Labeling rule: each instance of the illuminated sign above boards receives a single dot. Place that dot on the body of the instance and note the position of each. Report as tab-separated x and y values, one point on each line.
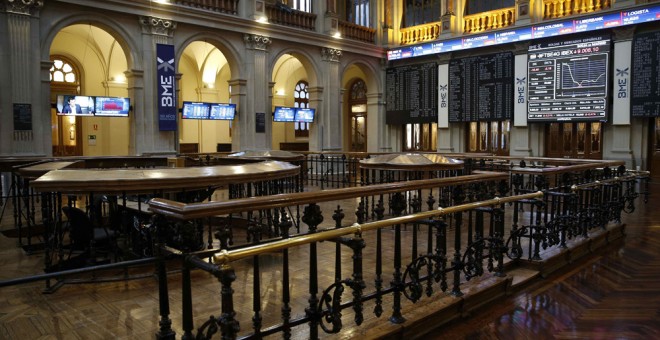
607	20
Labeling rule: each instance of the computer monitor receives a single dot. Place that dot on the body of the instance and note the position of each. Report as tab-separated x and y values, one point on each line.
74	105
112	106
195	110
222	111
284	114
305	115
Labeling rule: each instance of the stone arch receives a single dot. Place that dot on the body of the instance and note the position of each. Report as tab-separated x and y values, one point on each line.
119	33
308	62
224	46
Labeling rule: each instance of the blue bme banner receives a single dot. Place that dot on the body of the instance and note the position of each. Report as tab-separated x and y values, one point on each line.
165	82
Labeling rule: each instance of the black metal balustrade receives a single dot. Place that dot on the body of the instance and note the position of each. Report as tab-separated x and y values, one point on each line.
487	233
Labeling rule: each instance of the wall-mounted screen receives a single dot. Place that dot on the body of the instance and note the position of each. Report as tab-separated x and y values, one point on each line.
645	87
568	80
284	114
72	105
223	111
112	106
412	94
481	88
194	110
305	115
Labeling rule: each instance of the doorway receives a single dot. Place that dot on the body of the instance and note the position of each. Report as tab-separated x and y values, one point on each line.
574	140
489	137
421	137
358	116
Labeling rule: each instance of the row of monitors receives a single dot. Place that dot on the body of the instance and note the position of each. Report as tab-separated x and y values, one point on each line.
293	114
213	111
72	105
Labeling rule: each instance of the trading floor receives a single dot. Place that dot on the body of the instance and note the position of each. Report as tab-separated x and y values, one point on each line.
615	293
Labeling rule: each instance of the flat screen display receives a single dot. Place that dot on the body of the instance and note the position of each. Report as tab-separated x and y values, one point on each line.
284	114
568	80
194	110
223	111
112	106
73	105
305	115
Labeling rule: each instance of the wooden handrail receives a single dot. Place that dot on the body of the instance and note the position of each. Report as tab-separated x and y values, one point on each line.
224	256
190	211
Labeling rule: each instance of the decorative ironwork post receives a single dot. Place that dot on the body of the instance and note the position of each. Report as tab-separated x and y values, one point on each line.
398	205
165	332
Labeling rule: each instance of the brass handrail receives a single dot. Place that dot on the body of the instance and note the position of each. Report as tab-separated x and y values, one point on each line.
226	256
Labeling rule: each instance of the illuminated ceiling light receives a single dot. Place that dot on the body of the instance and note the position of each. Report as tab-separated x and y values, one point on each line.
262	19
166	2
280	92
337	35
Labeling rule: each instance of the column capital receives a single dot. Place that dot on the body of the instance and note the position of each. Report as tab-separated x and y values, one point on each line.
330	54
256	42
157	26
27	7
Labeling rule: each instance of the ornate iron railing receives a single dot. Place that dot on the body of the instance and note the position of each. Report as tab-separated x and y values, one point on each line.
570	204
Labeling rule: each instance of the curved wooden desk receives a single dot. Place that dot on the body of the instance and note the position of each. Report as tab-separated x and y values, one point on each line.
162	179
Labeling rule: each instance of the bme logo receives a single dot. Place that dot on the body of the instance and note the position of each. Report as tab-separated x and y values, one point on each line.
622	82
443	95
520	84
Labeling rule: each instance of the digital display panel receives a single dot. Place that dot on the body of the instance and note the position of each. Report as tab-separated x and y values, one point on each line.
555	28
567	80
222	111
73	105
305	115
112	106
645	79
194	110
284	114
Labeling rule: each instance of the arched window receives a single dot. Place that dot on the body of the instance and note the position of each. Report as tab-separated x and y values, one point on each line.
301	100
63	71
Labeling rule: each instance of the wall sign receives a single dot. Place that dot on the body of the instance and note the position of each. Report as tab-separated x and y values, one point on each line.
22	117
165	81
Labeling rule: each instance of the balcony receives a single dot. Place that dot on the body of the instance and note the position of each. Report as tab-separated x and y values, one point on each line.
421	33
352	31
222	6
489	20
286	16
562	8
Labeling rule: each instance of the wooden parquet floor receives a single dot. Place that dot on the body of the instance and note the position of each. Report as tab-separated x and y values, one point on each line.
614	294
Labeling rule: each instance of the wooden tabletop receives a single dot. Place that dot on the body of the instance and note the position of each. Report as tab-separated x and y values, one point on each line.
168	179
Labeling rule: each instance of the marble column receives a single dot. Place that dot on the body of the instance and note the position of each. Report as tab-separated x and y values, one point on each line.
21	80
255	112
326	133
145	136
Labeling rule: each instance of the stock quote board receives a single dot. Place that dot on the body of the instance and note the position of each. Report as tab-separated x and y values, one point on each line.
481	88
412	94
645	75
568	80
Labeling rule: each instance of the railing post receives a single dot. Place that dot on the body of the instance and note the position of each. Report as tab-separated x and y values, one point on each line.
312	217
228	324
457	265
186	301
165	332
398	206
